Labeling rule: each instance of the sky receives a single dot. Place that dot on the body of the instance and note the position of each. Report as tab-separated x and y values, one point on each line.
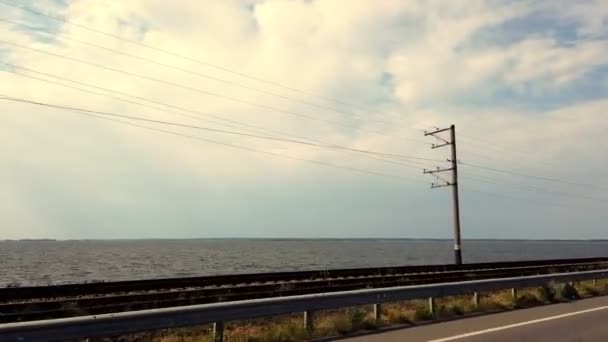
524	83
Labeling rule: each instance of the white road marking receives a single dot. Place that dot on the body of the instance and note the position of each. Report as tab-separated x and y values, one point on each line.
510	326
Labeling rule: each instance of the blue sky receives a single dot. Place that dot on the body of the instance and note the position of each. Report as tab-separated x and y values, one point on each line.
523	81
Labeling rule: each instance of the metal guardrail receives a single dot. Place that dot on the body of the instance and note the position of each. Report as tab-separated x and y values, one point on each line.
50	308
155	319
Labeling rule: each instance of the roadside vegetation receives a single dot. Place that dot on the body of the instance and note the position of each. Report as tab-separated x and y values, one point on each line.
356	320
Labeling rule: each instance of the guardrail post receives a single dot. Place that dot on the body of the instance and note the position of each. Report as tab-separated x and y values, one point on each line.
431	305
378	313
514	293
218	332
476	300
594	282
308	320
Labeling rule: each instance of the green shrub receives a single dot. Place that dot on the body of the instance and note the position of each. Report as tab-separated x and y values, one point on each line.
370	324
397	317
450	310
343	325
526	300
422	314
547	293
357	317
589	290
569	292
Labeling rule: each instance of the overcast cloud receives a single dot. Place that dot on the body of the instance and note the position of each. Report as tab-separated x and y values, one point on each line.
531	76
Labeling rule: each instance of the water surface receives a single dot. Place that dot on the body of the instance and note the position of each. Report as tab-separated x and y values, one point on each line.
53	262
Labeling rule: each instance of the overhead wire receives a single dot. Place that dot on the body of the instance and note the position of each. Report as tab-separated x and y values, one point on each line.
519	174
488	145
184	70
184	57
10	98
250	149
465	148
198	90
98	113
84	27
516	198
255	78
517	164
252	128
530	188
305	102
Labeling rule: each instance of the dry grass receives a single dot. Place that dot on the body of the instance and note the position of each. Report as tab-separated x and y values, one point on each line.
350	320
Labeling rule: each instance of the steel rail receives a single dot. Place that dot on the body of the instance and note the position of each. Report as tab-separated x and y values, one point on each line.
67	290
127	302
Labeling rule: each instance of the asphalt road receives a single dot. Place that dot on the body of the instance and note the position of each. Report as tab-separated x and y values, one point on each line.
578	321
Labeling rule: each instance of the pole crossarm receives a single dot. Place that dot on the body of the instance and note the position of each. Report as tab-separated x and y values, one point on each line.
437	131
435	185
438	170
434	146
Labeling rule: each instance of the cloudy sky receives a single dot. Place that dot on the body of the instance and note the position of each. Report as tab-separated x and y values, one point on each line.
525	83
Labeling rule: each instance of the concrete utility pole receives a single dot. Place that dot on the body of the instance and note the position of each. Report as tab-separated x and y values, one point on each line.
453	183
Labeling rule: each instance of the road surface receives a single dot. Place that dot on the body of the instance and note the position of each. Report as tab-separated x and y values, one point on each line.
580	321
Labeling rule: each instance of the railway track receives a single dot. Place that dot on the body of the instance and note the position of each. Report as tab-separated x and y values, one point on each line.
149	285
82	299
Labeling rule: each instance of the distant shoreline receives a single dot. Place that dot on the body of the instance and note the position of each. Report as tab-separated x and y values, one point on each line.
32	240
305	239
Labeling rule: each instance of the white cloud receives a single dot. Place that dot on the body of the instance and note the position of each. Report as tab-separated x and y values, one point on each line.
428	48
590	17
543	61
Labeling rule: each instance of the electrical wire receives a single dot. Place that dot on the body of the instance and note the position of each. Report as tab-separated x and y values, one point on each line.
282	86
501	149
9	98
515	198
84	27
255	128
174	54
548	179
198	90
530	188
191	72
322	163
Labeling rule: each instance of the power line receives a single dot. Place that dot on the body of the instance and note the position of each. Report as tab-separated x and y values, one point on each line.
149	60
555	180
486	142
24	8
348	168
531	188
5	97
164	81
182	86
518	163
498	148
516	198
255	128
501	149
192	72
252	128
198	112
171	53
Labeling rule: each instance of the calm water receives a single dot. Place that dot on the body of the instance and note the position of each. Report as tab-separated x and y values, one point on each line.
46	262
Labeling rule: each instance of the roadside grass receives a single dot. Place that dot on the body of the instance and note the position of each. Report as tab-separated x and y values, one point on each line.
347	321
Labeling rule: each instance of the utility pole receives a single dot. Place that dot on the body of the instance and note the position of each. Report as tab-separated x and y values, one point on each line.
453	183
